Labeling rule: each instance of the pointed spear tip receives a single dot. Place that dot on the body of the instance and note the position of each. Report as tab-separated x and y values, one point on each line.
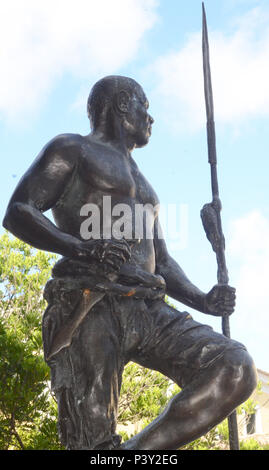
204	15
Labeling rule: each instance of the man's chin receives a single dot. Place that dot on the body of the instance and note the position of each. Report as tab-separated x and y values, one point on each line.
142	141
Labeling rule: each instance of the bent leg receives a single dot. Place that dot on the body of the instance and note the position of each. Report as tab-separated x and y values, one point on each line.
205	402
216	375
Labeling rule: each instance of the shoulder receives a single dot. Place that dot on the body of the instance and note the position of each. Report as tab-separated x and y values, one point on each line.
66	151
62	148
63	142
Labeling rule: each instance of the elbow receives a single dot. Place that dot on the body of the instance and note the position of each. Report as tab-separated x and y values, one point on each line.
12	215
6	220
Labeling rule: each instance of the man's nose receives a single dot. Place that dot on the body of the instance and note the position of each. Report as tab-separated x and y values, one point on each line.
151	120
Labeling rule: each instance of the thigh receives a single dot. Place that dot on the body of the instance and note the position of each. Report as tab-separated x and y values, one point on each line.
94	355
86	376
178	346
95	352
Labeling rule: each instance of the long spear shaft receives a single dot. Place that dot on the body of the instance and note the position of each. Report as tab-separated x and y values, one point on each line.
211	212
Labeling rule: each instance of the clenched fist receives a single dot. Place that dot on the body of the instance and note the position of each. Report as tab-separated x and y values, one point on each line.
220	301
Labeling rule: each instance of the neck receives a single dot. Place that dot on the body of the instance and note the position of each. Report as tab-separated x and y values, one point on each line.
116	134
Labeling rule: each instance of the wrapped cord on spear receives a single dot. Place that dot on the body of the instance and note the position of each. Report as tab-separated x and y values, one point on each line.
210	213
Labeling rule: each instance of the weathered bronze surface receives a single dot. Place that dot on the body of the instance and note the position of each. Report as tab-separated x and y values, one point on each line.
106	296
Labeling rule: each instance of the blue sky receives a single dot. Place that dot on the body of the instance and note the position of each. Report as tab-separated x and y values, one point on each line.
53	52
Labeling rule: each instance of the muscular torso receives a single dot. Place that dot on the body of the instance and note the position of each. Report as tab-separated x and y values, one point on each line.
73	171
104	176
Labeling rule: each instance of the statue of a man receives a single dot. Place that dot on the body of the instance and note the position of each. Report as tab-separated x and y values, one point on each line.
215	373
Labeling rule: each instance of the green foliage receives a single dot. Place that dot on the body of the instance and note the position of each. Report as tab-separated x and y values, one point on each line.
249	407
144	394
27	409
209	441
250	444
223	431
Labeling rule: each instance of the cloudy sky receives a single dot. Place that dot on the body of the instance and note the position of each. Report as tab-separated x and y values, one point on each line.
53	52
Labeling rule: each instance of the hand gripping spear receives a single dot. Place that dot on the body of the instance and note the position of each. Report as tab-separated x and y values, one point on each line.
210	213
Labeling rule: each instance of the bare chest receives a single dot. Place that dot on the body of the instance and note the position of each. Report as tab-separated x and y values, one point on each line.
109	173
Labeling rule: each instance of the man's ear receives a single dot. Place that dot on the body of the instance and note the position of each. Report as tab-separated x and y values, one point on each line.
122	101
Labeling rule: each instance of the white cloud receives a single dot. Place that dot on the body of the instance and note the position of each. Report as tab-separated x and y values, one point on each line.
240	74
40	41
249	251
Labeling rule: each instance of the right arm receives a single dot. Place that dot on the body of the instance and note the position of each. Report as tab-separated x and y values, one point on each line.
38	191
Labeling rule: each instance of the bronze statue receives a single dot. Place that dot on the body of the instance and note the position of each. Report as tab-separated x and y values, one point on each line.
106	296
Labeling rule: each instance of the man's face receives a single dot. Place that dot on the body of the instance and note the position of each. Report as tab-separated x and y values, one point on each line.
139	119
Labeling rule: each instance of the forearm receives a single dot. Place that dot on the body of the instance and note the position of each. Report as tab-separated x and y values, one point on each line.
179	287
29	224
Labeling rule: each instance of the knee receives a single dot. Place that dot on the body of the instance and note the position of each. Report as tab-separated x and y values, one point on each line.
240	375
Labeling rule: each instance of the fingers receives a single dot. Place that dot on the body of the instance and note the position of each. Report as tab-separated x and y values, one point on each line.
226	311
113	254
117	248
160	282
120	244
224	307
119	253
116	251
222	300
225	294
223	290
115	257
112	264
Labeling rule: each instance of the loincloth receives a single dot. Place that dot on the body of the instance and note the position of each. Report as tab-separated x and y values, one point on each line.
76	286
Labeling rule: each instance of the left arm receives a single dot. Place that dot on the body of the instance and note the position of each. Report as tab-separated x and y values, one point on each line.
218	301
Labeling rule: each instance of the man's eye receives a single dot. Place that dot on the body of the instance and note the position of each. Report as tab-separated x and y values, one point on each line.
145	104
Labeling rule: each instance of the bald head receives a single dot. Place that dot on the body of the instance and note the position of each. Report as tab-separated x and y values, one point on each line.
103	94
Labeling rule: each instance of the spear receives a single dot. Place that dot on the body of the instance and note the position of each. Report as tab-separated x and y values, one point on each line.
210	213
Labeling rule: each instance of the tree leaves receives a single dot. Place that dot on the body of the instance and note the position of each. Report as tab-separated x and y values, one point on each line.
25	399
